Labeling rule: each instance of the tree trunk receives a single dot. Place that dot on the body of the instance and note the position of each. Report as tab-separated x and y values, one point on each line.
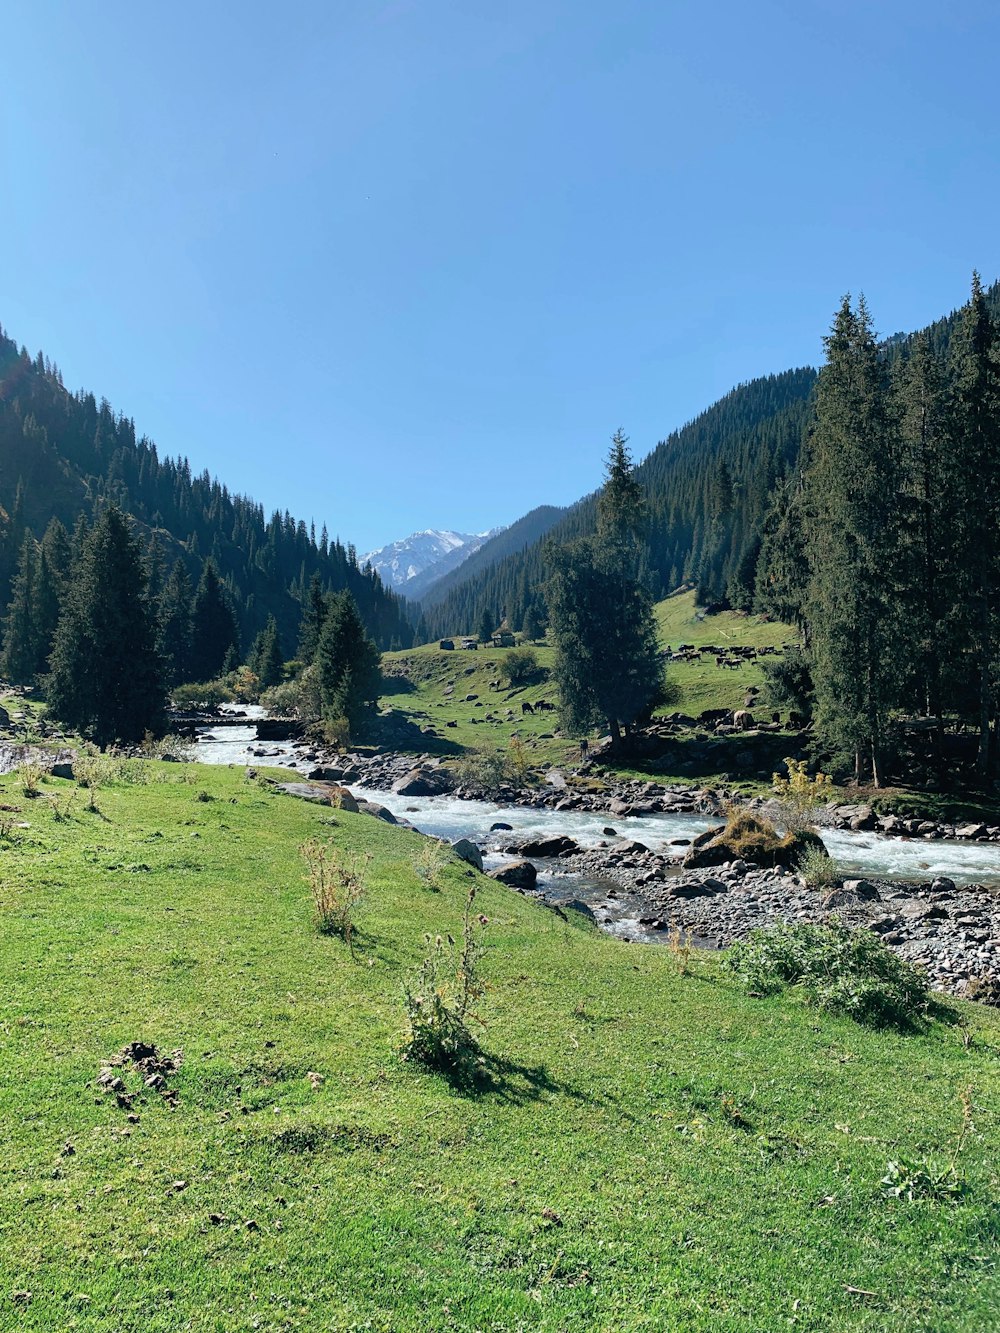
616	732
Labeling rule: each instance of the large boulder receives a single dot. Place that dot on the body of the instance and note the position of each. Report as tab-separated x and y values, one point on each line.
422	782
4	719
557	846
851	893
343	799
516	875
376	811
466	850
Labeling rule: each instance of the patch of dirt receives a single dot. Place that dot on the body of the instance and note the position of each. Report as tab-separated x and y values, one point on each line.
137	1068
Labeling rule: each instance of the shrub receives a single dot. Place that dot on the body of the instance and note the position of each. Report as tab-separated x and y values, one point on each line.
429	863
438	1001
337	884
799	794
486	770
753	837
31	774
519	666
203	694
847	971
818	868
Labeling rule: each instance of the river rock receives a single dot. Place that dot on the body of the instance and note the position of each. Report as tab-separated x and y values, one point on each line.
422	782
577	905
850	894
517	875
630	847
4	719
695	888
377	811
501	827
943	885
326	774
557	846
343	799
970	830
466	850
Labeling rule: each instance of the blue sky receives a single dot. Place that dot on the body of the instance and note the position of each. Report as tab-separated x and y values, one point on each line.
408	264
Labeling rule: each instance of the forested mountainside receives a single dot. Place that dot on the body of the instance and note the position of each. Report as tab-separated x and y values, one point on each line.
512	541
707	486
710	488
65	454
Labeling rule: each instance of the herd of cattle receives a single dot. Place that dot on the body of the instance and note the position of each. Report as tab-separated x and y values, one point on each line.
732	656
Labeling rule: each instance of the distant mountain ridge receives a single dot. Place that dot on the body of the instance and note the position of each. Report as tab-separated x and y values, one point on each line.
412	564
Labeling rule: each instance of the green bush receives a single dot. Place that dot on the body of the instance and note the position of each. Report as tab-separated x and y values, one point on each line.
298	697
519	666
486	770
847	971
818	868
203	694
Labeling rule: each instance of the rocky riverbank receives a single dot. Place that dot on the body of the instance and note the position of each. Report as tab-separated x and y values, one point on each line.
954	933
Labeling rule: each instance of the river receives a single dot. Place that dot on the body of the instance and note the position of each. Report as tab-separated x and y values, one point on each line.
444	816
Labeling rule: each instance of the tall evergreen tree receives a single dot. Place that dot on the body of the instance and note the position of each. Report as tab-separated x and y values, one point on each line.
175	626
214	632
607	663
106	680
19	662
928	527
974	425
265	658
530	628
486	626
348	664
313	616
853	484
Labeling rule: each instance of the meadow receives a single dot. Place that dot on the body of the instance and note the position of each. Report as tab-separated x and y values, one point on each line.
647	1147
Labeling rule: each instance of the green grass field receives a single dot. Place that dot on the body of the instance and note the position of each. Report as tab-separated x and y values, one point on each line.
703	684
654	1151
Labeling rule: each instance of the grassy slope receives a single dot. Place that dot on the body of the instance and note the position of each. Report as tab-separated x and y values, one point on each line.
702	685
421	700
387	1200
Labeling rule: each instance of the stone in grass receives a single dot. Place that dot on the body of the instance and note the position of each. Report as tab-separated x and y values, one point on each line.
466	850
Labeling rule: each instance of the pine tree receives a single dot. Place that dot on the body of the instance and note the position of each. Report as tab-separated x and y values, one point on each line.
928	513
486	626
265	658
19	662
214	634
600	617
974	425
348	665
175	626
530	628
313	616
106	679
48	598
853	540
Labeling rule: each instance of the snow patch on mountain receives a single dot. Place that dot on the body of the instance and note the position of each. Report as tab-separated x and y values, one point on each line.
423	556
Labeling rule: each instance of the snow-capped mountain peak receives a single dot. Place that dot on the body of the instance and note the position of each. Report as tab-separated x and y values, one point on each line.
433	549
